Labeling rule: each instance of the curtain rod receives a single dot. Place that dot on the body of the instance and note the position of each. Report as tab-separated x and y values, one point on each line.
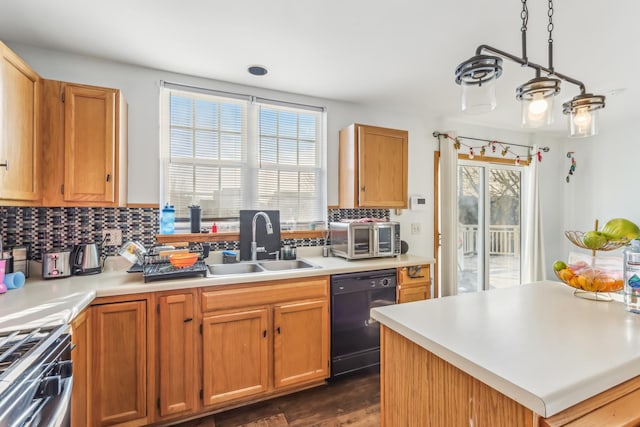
437	134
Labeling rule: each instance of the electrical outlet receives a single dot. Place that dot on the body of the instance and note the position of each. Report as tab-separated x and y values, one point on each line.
416	228
112	237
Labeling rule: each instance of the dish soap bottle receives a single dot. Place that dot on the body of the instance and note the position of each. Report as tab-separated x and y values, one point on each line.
168	220
632	277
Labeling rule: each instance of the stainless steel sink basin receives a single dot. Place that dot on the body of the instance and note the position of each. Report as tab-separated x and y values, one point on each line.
293	264
240	268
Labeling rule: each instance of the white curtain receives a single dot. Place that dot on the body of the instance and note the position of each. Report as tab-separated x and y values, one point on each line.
448	217
533	268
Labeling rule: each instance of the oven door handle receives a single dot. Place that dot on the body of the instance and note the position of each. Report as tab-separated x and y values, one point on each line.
62	404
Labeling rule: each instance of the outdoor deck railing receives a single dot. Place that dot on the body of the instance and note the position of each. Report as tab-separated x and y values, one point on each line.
503	239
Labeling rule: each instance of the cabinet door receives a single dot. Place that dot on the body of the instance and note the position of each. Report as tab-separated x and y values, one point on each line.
235	355
301	342
80	357
89	144
19	146
383	167
176	345
119	391
408	293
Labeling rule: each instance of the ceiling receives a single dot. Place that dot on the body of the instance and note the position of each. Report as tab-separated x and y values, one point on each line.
399	55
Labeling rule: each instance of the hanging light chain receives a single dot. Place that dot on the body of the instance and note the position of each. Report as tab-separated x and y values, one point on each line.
550	25
550	29
525	20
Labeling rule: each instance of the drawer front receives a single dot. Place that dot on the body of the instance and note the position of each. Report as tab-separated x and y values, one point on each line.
421	276
265	293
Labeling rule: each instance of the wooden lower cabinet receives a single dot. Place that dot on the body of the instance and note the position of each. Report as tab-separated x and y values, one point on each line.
119	364
158	358
414	283
80	358
300	342
176	340
263	340
235	359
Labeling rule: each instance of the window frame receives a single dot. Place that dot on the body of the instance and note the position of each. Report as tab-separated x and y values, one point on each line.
250	162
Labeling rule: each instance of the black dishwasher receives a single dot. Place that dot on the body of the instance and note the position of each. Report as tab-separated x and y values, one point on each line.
355	336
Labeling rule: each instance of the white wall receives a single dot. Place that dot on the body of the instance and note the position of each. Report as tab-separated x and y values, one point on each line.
607	171
140	86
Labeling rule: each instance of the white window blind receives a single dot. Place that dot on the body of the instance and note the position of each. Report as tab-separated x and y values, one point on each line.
227	153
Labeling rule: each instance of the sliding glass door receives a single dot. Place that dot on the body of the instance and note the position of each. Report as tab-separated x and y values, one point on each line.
489	226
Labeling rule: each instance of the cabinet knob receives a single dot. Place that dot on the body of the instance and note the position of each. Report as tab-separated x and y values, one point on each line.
5	164
108	177
363	188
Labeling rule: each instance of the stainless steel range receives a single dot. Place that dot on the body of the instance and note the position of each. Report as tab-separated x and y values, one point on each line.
35	377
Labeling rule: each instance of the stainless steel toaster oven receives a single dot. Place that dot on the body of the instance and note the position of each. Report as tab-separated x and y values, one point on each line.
357	240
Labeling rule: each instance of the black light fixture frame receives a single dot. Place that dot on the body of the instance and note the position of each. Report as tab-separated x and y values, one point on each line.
585	100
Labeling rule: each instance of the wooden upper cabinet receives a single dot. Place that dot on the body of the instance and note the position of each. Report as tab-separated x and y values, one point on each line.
86	139
301	342
19	136
373	167
176	347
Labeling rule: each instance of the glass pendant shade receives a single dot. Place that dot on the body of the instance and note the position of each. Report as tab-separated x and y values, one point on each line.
536	98
583	123
537	111
477	99
583	114
477	76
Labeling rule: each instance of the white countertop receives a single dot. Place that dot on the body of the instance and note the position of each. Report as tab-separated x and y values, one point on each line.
537	343
43	302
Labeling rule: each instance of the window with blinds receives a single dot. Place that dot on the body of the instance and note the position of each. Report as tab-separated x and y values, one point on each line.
226	153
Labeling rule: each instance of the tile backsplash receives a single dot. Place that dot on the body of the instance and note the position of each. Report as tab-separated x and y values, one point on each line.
45	229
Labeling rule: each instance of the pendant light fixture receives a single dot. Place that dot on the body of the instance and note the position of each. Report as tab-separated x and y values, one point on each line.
477	77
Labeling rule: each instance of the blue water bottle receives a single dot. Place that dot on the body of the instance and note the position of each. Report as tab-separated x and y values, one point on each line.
168	220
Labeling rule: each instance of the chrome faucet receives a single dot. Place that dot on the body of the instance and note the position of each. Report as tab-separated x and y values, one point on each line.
254	248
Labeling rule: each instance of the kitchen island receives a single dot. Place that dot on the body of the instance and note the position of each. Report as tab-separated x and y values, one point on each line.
533	355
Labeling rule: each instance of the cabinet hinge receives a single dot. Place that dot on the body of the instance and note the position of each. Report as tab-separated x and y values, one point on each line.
201	394
62	97
158	403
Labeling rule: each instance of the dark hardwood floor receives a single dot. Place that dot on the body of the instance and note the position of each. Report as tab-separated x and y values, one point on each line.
350	401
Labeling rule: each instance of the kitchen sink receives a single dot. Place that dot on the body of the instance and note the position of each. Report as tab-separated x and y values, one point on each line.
293	264
258	267
239	268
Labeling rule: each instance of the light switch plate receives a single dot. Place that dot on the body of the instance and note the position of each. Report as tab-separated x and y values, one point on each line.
416	228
